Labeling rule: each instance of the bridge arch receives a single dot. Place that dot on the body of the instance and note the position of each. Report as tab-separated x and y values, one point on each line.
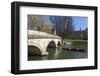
59	43
36	46
51	44
33	50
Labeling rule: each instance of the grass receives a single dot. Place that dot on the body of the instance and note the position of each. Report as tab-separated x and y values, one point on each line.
76	40
78	43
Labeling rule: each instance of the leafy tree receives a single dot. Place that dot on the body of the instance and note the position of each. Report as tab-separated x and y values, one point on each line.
35	22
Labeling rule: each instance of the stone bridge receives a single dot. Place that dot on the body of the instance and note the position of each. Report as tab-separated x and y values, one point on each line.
41	41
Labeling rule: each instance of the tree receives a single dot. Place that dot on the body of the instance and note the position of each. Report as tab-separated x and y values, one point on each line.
35	22
63	25
86	34
69	28
46	29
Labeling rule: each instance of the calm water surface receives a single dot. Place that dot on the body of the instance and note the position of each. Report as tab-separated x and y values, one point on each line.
58	53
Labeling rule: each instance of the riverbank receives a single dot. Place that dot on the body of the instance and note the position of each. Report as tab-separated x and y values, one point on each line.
81	44
76	41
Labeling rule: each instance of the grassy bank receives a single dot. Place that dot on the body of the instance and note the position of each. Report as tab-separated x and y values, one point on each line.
76	41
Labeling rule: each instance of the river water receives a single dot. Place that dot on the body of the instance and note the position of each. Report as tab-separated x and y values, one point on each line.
59	53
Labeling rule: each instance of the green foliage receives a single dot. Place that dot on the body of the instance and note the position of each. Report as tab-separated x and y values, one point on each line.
35	21
46	28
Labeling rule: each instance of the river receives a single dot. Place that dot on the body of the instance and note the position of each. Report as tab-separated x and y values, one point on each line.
58	53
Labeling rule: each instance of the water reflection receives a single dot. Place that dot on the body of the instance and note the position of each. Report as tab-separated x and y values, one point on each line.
59	53
54	52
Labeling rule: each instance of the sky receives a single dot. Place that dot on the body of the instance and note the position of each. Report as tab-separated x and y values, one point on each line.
80	22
